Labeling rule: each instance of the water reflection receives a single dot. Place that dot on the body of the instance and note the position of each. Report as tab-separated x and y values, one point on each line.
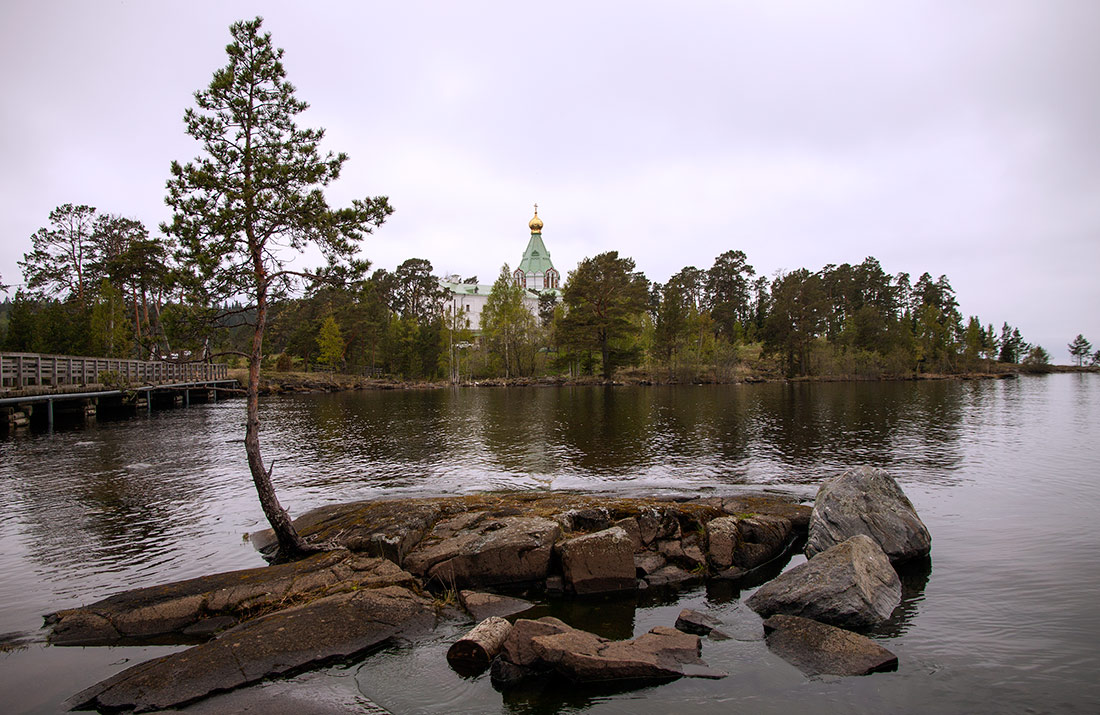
599	437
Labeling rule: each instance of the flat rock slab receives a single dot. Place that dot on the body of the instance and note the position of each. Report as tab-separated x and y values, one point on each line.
330	630
850	585
186	611
549	644
867	501
819	649
660	654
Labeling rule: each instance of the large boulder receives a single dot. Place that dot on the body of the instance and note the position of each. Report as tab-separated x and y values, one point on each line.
476	550
599	562
866	500
850	585
817	649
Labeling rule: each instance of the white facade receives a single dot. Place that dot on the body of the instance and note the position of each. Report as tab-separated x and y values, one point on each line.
467	302
535	273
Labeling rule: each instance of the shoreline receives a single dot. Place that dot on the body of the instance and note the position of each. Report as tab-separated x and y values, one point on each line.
274	383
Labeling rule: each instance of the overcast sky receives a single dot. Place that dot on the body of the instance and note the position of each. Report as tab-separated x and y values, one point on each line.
957	138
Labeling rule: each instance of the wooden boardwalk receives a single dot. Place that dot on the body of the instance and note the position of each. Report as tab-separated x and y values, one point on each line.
89	384
45	374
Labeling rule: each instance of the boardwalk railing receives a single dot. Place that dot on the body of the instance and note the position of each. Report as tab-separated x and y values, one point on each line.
22	370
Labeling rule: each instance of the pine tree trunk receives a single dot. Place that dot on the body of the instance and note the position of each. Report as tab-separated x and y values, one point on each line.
291	546
605	355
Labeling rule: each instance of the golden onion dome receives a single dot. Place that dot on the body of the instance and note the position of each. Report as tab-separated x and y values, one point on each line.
536	223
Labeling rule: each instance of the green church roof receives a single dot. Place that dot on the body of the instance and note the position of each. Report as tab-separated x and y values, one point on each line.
536	259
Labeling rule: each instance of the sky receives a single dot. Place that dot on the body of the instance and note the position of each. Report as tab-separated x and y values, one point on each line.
954	138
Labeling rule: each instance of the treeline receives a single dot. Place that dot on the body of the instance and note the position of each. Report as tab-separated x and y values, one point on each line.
100	284
843	320
95	284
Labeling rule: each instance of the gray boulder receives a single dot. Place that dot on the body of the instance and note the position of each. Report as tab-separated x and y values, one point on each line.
476	550
819	649
850	585
599	562
866	500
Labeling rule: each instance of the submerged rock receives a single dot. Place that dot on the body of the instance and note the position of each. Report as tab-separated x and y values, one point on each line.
820	649
852	584
866	500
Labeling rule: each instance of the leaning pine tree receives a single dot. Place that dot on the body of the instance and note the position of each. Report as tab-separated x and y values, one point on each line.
252	200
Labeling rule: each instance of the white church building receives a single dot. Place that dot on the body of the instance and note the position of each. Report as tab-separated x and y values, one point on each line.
535	274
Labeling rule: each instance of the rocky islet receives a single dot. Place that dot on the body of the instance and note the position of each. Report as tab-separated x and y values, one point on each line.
386	557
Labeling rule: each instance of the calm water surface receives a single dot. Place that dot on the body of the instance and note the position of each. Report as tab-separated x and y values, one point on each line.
1005	473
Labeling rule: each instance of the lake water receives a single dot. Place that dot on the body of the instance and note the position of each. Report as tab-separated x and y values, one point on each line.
1006	474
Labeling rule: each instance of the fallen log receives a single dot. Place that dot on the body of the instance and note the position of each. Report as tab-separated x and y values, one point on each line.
474	651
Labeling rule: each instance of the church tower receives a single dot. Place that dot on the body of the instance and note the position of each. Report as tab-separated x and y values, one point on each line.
535	270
